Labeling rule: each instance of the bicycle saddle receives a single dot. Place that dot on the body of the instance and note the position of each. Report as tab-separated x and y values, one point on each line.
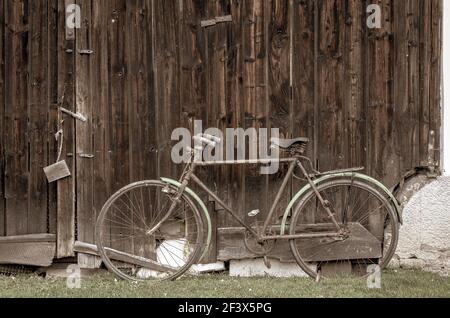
288	143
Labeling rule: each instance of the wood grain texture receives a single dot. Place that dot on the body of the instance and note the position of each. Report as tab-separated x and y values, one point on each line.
118	115
303	61
236	110
100	73
52	108
279	106
32	253
436	73
37	117
255	79
65	225
34	250
311	68
17	171
354	70
84	132
331	108
380	108
2	118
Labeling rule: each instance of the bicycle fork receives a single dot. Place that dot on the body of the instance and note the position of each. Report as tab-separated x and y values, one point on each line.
175	202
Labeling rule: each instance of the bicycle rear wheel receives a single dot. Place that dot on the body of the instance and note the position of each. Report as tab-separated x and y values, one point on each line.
368	217
133	248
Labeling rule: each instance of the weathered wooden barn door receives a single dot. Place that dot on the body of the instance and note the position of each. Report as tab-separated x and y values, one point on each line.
115	82
138	69
365	97
28	123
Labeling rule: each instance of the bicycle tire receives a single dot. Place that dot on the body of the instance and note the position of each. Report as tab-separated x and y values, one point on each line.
99	231
300	208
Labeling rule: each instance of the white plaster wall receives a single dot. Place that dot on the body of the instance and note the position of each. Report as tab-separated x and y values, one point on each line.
425	236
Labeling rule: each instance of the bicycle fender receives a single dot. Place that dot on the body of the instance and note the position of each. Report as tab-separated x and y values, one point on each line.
202	206
359	176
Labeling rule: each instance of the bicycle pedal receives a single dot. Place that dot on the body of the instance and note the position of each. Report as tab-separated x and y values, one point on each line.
254	213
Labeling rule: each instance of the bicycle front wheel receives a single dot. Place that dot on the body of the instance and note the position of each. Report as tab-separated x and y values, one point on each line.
130	244
370	229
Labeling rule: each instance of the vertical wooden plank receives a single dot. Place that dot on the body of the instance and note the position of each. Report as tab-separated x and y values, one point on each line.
251	186
354	70
166	67
248	44
16	119
382	155
331	135
198	62
235	69
136	100
84	146
402	114
147	105
150	95
135	89
118	116
2	117
52	108
167	82
303	32
131	58
303	71
424	77
101	85
213	80
280	106
436	73
65	229
216	91
413	55
406	82
193	81
37	117
255	85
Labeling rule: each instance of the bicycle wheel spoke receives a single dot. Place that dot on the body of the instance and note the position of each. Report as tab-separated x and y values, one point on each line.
123	231
354	203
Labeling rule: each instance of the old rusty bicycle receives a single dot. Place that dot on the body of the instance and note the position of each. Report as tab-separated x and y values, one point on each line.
158	229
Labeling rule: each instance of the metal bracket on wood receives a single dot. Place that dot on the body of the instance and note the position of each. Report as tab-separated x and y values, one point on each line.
77	116
86	156
216	20
85	52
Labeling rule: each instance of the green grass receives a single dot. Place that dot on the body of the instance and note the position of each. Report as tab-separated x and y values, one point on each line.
401	283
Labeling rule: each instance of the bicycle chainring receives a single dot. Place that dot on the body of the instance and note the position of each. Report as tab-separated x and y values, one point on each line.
258	248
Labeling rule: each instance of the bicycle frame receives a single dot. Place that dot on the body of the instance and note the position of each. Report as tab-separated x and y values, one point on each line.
260	234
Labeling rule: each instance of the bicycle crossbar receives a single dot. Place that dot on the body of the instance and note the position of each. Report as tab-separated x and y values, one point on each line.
243	162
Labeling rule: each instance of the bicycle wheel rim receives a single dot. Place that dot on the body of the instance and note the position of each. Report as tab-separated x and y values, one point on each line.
195	219
387	252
